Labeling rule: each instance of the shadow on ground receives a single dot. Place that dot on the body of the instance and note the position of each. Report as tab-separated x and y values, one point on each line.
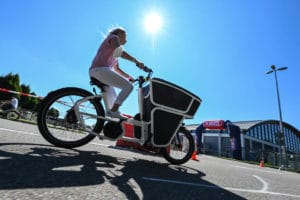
25	166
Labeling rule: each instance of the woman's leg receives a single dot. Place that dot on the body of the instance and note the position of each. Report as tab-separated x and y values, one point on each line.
111	78
110	95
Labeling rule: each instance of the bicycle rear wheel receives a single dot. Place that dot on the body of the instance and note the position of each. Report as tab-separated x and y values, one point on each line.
181	148
12	115
58	123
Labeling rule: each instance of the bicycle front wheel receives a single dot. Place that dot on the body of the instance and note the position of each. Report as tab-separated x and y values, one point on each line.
181	148
58	123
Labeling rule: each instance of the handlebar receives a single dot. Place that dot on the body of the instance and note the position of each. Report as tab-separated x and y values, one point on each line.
142	79
148	70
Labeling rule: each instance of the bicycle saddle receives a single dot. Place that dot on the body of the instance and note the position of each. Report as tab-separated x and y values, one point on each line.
98	83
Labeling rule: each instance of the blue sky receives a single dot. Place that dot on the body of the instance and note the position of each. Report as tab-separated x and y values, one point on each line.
219	49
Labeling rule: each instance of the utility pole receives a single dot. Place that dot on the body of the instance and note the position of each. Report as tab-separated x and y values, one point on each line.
281	133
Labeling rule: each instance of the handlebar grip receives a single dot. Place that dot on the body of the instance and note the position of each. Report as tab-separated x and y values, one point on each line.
146	69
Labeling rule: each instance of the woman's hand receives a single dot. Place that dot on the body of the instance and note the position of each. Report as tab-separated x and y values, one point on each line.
130	79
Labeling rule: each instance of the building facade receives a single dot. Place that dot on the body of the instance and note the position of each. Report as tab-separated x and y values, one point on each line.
258	138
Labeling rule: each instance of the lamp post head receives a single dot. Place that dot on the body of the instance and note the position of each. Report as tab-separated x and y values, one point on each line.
273	67
282	68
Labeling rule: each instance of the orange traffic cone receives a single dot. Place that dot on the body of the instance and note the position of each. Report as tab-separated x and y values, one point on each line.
262	163
194	156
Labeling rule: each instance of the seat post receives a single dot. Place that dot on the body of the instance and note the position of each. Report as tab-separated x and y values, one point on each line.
101	86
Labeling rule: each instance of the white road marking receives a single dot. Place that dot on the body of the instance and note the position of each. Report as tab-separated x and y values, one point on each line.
74	168
180	182
265	184
5	129
262	191
35	134
260	170
135	186
4	158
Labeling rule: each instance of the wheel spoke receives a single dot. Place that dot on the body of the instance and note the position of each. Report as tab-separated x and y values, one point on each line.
58	122
180	149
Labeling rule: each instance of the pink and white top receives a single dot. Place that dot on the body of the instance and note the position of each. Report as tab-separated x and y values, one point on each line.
105	54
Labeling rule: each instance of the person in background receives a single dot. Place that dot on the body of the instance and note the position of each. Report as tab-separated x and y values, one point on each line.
105	67
198	132
12	104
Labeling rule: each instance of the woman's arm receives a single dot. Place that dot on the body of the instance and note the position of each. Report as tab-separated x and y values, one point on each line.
127	56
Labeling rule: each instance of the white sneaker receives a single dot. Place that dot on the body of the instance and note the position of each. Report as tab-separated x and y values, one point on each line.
115	114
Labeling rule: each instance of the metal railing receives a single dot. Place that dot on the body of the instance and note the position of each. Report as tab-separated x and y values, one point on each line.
270	158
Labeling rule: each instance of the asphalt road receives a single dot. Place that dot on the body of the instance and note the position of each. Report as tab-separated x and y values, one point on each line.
31	168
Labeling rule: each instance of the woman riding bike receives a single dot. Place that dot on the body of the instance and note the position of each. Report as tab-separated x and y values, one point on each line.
82	117
105	68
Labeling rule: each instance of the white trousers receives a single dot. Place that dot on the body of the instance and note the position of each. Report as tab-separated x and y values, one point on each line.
112	79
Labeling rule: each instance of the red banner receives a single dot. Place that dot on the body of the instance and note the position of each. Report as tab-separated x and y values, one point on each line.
19	93
214	124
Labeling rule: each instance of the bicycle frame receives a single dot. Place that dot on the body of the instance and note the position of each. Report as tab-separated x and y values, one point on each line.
154	118
140	123
162	107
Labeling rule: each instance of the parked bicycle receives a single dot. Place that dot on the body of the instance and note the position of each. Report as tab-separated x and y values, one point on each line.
8	112
71	117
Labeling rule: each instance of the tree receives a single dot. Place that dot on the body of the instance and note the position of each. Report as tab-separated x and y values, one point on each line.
12	82
53	112
28	102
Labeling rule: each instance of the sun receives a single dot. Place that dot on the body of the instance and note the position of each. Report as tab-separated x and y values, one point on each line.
153	22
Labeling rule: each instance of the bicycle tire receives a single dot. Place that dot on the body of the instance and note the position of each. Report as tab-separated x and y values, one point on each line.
12	115
54	134
176	148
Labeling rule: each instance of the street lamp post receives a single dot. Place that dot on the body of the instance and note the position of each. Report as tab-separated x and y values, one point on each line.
281	134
